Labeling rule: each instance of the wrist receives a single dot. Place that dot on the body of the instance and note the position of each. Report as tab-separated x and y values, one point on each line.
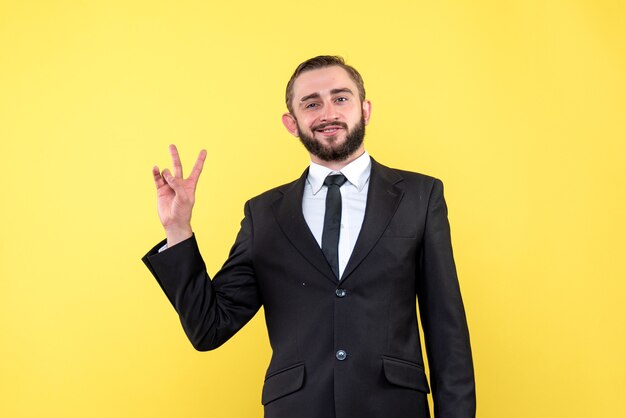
178	234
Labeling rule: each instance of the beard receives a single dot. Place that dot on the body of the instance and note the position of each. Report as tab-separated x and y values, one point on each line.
333	151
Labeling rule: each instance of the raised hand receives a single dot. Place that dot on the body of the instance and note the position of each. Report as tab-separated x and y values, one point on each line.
176	196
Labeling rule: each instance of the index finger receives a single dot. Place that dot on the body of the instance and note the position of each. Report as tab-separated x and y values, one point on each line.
197	167
178	167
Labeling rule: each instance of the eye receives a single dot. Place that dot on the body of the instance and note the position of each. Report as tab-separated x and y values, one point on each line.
311	105
341	99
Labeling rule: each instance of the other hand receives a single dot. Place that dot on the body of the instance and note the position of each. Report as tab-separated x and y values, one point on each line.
176	196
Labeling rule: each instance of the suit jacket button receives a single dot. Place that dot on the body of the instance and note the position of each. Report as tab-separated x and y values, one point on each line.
341	355
340	293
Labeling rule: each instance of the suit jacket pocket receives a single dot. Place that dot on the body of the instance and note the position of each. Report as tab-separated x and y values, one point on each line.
282	383
405	373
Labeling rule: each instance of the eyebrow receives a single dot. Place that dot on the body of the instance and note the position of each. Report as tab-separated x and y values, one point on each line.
310	96
332	92
343	90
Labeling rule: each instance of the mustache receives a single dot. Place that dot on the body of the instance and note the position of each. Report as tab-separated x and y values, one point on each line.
327	124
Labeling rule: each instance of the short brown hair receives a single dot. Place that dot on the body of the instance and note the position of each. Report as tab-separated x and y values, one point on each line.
323	61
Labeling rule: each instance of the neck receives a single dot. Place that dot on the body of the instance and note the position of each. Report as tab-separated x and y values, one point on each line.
338	165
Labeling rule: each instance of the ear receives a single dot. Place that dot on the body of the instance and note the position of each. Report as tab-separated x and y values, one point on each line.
290	123
367	110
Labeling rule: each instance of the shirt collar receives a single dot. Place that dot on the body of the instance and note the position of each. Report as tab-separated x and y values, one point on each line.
357	173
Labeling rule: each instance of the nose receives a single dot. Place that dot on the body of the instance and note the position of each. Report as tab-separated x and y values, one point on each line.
329	112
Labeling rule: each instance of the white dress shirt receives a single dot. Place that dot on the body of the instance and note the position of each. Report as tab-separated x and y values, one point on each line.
353	200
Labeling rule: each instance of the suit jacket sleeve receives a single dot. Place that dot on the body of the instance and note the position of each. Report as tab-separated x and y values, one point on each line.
443	317
211	311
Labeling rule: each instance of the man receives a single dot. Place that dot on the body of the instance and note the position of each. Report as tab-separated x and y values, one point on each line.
336	258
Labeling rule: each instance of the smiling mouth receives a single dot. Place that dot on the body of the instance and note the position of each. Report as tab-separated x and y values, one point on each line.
330	129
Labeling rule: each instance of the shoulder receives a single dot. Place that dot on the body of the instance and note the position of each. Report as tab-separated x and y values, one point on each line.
411	179
269	197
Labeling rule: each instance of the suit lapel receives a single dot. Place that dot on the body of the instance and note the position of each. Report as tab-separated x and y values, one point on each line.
384	195
288	214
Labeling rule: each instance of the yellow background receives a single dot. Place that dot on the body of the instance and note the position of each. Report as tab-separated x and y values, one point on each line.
518	106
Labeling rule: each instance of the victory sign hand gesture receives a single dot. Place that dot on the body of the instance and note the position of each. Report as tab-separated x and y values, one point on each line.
176	196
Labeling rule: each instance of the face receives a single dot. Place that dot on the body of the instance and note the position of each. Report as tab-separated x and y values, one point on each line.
328	115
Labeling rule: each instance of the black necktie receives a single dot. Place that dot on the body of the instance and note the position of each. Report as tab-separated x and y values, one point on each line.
332	221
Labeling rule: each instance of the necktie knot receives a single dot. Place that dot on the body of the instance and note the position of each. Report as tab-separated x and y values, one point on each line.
335	180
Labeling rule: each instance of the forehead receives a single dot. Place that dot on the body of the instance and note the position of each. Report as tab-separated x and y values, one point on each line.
321	81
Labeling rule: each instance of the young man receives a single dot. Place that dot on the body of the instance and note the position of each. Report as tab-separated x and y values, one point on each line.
337	259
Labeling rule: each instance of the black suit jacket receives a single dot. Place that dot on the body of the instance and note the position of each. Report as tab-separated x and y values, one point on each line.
403	250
